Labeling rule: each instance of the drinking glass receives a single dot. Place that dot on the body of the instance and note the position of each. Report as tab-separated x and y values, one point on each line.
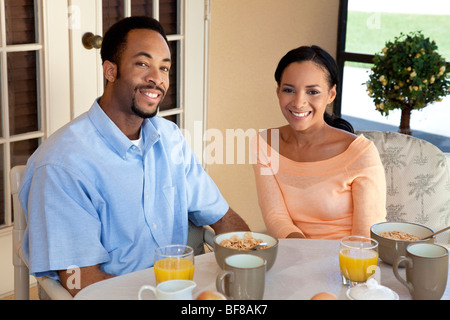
358	259
173	262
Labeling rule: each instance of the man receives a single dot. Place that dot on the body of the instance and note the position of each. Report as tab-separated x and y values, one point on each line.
115	183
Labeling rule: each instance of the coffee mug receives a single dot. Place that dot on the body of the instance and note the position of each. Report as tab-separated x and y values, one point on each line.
426	270
243	277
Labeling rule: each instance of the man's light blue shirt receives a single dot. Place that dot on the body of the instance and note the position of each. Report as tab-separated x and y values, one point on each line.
92	197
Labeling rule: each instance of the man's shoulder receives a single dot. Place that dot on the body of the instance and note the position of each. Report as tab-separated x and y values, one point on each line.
162	124
67	139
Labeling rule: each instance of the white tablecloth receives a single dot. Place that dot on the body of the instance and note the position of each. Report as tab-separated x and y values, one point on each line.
302	269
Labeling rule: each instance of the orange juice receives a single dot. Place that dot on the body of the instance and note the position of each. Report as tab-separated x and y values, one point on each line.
173	268
356	264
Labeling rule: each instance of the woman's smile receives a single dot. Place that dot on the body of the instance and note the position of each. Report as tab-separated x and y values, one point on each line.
300	115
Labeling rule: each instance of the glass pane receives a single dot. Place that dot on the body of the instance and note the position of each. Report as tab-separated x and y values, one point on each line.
168	15
22	92
20	21
22	150
168	12
113	11
430	123
370	24
171	99
142	8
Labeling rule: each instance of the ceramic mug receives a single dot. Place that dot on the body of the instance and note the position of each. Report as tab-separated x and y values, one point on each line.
426	270
243	277
171	290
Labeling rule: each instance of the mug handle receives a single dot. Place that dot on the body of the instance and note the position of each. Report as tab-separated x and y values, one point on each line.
143	288
220	280
408	262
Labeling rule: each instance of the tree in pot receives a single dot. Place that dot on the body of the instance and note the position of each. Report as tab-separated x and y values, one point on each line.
408	74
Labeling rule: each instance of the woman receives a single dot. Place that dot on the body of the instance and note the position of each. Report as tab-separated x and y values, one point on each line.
314	178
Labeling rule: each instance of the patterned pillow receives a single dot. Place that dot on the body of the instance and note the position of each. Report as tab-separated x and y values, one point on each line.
417	180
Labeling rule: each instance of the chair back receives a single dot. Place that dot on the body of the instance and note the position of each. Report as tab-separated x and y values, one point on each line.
417	180
196	238
48	287
21	274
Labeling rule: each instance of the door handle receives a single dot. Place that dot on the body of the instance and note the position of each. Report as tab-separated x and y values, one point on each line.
91	41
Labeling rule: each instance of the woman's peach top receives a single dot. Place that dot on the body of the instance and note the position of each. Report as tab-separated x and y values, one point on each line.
329	199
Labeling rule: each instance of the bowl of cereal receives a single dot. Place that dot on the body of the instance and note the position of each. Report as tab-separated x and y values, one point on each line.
394	237
227	244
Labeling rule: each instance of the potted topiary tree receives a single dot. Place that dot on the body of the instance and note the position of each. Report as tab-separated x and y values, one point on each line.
408	74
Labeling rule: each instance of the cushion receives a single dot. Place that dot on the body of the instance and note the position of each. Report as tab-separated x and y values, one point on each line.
417	180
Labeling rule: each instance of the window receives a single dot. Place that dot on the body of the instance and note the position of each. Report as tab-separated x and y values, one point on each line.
21	110
365	27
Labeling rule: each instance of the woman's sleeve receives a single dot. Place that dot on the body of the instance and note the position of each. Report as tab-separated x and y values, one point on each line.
369	193
270	198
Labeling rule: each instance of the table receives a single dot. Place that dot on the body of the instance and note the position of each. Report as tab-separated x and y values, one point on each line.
303	268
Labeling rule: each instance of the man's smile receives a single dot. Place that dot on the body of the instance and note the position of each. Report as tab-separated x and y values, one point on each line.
152	94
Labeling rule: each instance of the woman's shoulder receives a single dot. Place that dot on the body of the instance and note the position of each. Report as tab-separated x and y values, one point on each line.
342	137
338	143
364	152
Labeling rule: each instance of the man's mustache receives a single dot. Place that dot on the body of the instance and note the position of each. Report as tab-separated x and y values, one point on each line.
150	87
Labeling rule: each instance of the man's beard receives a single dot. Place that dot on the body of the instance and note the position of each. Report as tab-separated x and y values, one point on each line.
142	114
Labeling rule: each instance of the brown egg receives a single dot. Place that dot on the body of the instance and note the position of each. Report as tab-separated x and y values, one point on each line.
324	296
211	295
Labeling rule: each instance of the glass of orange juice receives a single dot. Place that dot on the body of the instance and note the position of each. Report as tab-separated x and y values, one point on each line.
358	259
174	262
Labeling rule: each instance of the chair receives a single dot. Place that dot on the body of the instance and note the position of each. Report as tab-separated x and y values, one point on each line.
198	238
49	288
417	180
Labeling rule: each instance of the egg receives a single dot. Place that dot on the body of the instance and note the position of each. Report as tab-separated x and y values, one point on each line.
211	295
324	296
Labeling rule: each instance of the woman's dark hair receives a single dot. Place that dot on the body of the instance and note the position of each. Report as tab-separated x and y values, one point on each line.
115	39
324	60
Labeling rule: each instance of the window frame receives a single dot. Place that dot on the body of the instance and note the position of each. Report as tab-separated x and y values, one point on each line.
342	56
7	138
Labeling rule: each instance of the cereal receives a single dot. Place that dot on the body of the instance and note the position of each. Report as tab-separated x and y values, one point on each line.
399	235
246	243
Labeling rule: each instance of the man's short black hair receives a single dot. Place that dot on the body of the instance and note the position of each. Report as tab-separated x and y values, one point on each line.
115	39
